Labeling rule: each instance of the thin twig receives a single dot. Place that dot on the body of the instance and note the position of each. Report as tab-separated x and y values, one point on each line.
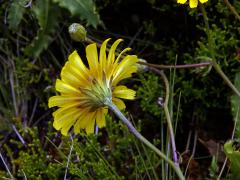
18	135
189	161
135	36
24	175
68	160
10	174
188	140
194	143
42	117
232	9
189	135
33	111
11	79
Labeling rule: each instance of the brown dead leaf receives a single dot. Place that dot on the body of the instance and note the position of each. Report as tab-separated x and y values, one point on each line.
214	149
192	166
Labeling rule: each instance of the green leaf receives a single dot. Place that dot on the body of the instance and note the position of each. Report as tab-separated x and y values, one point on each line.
233	153
47	18
85	9
235	104
41	10
15	14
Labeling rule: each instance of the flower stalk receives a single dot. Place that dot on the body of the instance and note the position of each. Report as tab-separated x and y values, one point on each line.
167	114
232	9
215	65
132	129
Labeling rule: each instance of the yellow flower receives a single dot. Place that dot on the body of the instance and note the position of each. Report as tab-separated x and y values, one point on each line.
84	90
192	3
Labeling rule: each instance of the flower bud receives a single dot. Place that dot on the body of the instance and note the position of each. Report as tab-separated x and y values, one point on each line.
142	67
77	32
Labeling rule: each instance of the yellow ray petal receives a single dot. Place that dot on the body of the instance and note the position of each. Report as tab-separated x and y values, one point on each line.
71	80
69	77
181	1
119	103
76	61
83	120
92	55
62	115
70	68
61	100
124	74
193	3
203	1
127	62
63	87
67	101
111	54
65	128
68	123
112	67
123	92
90	126
100	117
123	51
102	56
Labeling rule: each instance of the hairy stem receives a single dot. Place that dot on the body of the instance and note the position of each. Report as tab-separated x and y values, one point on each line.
143	139
179	66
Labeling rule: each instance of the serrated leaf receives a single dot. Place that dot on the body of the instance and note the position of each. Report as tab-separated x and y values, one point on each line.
233	154
47	17
15	14
235	105
85	9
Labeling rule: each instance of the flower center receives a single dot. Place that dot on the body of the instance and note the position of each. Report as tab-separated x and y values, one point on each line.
97	94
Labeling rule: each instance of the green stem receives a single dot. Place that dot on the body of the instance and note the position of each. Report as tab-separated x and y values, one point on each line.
168	117
143	139
225	78
179	66
215	65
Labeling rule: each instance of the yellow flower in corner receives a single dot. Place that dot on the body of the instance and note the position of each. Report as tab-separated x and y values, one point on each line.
84	90
192	3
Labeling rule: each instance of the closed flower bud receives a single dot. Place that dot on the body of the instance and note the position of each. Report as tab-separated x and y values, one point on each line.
142	67
77	32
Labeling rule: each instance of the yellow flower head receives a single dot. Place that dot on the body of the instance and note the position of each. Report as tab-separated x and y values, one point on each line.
84	90
192	3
